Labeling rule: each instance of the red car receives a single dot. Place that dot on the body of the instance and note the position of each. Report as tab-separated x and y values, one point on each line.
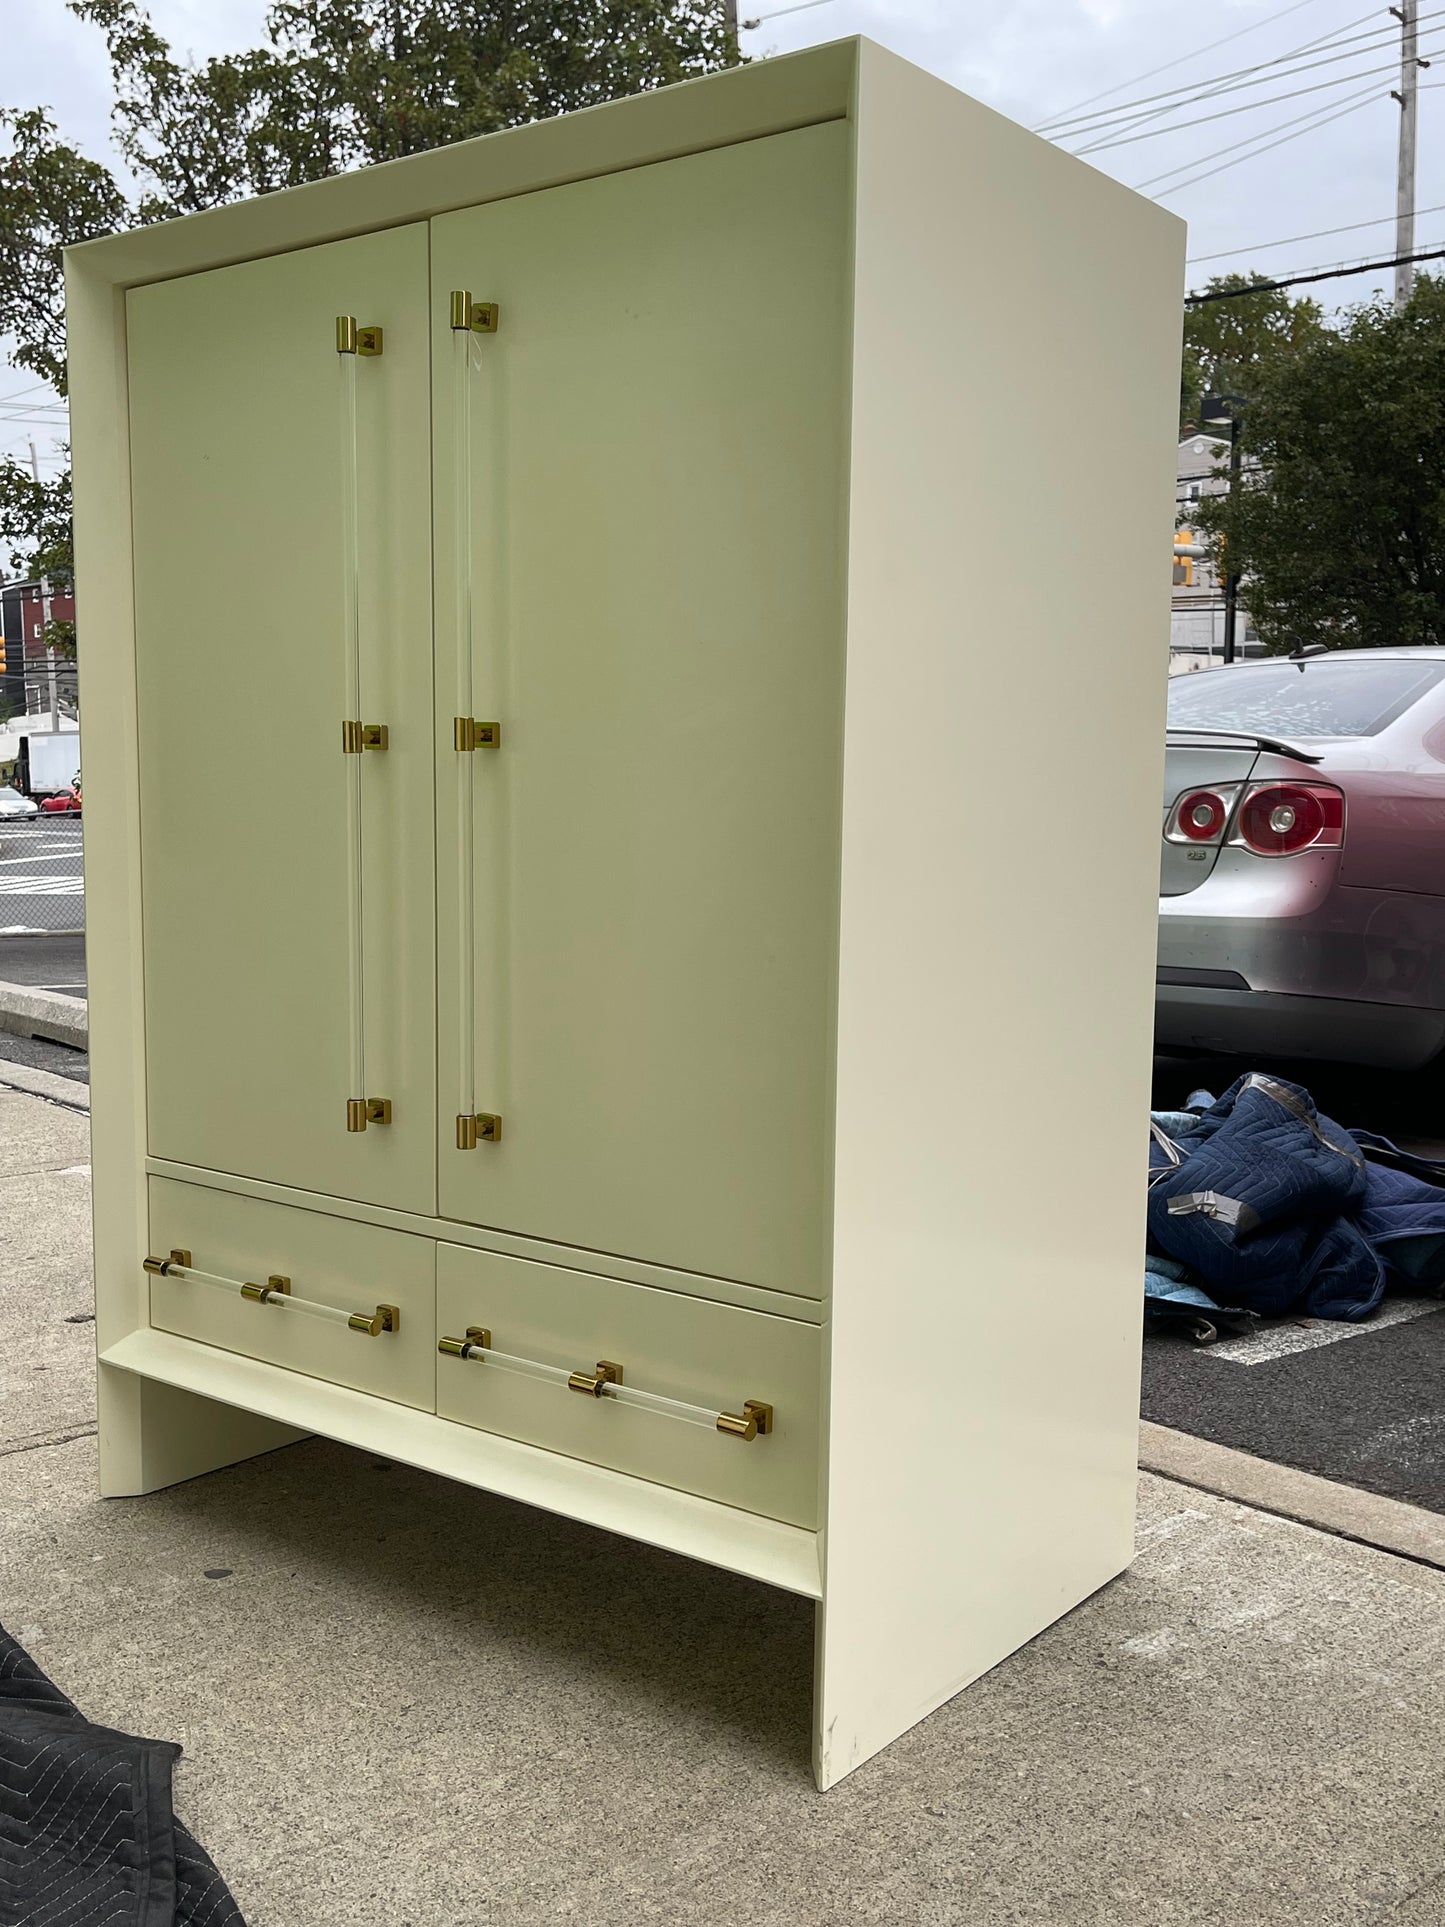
67	800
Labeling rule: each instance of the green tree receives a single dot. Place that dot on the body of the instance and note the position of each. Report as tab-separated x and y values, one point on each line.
1339	534
1227	343
337	84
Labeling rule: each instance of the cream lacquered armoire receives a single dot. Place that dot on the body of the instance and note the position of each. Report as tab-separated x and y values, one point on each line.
623	668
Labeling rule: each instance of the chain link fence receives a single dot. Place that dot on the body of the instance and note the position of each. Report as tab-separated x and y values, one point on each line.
41	884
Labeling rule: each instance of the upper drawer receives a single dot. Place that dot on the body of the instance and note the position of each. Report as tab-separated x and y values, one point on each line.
713	1357
331	1261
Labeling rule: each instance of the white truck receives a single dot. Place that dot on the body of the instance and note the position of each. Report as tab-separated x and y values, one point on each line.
49	762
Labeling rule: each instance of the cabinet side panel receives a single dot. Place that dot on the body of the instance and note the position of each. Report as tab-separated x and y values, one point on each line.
1007	652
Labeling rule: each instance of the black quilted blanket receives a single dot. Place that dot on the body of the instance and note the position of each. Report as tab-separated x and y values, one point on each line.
87	1834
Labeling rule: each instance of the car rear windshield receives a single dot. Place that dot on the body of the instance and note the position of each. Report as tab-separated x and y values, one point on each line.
1318	697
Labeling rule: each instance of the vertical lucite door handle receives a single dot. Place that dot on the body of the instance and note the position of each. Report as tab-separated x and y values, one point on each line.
468	318
356	736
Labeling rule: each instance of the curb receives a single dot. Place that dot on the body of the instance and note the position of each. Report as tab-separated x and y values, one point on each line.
1407	1531
50	1014
37	1083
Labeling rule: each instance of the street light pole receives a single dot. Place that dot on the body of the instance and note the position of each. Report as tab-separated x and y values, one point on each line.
1231	575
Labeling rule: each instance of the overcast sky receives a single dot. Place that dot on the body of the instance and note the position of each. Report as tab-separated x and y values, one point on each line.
1034	60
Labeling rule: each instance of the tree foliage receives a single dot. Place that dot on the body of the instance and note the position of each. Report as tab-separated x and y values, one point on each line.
337	84
342	83
1226	343
1340	537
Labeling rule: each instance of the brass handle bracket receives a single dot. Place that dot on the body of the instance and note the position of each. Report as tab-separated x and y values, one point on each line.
591	1384
755	1417
480	317
478	1339
361	1111
484	1128
468	734
386	1318
161	1267
355	737
351	340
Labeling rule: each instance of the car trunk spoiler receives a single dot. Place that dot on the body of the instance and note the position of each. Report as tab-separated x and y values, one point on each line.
1244	736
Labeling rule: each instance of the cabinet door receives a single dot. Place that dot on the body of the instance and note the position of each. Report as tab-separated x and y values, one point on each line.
242	476
653	501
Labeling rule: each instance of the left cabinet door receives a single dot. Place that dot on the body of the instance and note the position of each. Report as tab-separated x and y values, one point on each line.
287	886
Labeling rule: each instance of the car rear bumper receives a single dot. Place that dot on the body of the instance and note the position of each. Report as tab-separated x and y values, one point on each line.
1291	926
1201	1016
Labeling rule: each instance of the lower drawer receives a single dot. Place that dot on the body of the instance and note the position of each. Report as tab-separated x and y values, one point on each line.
707	1356
333	1262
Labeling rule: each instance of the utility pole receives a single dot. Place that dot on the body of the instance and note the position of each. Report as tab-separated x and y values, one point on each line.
730	20
1231	576
1214	411
45	619
1407	13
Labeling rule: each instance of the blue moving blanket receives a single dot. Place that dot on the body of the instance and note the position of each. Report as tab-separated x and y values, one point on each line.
1273	1208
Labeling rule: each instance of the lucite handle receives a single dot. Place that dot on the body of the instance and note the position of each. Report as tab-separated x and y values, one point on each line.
468	318
277	1291
356	737
605	1381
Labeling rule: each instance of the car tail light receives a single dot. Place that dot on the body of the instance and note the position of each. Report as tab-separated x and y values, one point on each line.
1200	816
1280	819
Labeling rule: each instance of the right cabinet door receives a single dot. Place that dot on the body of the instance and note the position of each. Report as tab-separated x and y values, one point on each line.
639	484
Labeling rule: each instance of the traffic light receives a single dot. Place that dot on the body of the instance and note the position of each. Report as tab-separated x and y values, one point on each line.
1183	564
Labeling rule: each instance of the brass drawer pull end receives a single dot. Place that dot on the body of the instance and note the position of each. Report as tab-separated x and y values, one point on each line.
160	1267
386	1318
478	1339
755	1417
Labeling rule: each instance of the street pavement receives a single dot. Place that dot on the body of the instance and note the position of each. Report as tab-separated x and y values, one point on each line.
41	886
406	1703
49	961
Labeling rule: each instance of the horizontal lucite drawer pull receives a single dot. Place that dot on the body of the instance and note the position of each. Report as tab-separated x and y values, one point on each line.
277	1291
605	1381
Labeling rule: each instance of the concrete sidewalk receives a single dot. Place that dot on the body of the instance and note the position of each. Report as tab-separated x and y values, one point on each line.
408	1704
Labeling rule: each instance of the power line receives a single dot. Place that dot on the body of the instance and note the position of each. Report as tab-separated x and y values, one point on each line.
1169	65
1248	107
1339	267
1320	234
1312	121
1297	280
1280	68
778	12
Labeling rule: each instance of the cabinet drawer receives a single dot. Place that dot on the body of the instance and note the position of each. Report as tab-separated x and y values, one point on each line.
707	1356
329	1261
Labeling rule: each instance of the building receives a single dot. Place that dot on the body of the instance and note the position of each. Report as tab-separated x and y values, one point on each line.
26	665
1196	625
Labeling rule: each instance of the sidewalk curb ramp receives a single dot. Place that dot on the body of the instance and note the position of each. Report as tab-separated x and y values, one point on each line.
28	1012
1408	1531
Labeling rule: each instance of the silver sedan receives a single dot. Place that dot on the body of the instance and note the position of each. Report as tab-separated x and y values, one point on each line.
1302	887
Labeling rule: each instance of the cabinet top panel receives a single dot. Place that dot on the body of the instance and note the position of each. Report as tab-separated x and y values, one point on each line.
716	110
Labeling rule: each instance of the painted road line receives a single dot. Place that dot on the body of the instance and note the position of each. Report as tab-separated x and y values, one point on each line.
1304	1334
